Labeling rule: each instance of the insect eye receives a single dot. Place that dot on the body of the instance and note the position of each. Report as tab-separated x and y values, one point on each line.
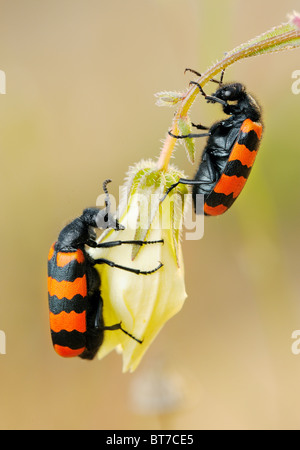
227	93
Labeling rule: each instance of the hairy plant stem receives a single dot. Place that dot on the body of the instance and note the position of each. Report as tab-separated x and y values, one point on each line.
283	37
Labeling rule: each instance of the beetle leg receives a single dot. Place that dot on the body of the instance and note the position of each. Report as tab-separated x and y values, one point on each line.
116	243
191	135
128	269
211	174
200	127
219	82
118	326
209	98
180	181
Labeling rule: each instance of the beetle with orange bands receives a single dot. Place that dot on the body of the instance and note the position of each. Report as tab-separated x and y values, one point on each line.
230	151
75	302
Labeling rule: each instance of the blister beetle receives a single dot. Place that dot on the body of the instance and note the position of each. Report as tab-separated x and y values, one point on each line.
75	302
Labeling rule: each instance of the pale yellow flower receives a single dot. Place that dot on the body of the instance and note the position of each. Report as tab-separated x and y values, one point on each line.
143	303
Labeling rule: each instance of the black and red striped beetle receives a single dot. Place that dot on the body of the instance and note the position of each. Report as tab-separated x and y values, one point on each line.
230	151
75	302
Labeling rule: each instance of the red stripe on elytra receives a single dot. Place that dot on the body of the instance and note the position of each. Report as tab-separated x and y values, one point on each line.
230	185
67	289
68	321
62	258
68	352
214	210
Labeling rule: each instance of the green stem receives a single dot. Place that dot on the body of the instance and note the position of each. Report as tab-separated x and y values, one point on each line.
283	37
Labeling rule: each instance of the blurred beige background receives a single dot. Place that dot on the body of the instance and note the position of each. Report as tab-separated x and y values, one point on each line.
79	108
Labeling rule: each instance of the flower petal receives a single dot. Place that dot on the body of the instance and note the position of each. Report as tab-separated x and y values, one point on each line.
143	303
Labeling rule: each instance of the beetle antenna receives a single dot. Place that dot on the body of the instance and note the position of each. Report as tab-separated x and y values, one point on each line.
107	200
